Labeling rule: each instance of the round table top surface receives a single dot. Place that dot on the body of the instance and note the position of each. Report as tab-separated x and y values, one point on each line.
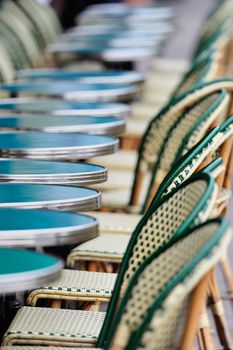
55	146
97	34
98	49
51	123
53	197
35	171
122	9
22	270
73	90
64	107
40	228
92	77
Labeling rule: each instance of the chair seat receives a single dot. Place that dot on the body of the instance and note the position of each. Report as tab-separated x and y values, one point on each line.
44	326
144	110
117	179
123	159
76	285
119	198
106	247
136	127
116	222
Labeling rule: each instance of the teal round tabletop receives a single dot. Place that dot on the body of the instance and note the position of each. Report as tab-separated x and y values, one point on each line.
119	53
64	107
90	77
53	173
50	123
51	197
55	146
22	270
82	92
39	228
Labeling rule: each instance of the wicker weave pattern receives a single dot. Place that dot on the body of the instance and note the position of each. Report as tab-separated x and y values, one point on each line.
183	127
162	225
77	285
193	164
220	115
164	326
54	324
116	222
159	228
154	279
221	14
103	248
202	72
172	329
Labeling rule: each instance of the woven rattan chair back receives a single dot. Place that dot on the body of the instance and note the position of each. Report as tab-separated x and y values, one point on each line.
208	155
155	307
217	41
186	133
203	69
187	205
159	129
13	47
46	21
187	165
216	18
23	35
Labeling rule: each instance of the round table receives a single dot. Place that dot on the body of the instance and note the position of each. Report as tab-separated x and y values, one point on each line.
106	52
22	270
90	77
43	172
73	90
50	197
64	107
60	124
38	228
121	10
55	146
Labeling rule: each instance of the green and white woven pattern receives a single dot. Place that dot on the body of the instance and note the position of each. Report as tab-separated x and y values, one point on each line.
156	277
192	127
76	285
158	229
102	248
43	326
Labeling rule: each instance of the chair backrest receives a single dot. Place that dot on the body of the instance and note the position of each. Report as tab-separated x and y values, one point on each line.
186	133
185	166
23	34
208	155
187	205
44	19
202	69
217	40
216	18
154	310
156	136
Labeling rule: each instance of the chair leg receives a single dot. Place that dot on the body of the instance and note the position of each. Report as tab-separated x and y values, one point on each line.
228	275
218	313
56	304
204	333
197	308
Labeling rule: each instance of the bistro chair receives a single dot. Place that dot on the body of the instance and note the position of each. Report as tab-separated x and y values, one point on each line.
126	159
160	145
123	224
145	316
202	69
190	203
